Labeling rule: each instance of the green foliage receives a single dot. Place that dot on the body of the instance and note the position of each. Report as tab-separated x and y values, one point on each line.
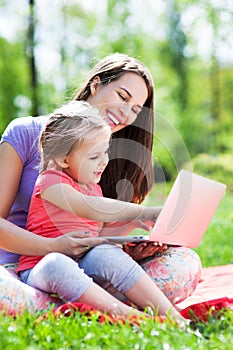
216	246
218	167
14	82
192	92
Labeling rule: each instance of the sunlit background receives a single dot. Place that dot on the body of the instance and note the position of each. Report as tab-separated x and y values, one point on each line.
47	48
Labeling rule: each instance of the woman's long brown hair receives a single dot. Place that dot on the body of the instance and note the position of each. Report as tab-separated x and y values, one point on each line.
129	175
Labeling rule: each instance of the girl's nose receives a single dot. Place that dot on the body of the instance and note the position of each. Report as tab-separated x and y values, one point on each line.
104	159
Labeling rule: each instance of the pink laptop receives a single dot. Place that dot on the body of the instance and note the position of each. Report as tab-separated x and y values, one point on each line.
186	213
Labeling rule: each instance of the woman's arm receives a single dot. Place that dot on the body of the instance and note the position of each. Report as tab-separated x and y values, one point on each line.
97	208
18	240
12	237
11	168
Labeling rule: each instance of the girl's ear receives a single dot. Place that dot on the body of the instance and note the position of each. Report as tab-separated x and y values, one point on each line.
95	85
61	162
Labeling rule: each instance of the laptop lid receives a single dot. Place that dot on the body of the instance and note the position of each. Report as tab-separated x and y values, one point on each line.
188	210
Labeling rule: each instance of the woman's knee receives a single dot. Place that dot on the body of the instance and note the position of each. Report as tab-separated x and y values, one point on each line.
176	271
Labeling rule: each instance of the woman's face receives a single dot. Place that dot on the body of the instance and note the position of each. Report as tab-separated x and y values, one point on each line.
120	101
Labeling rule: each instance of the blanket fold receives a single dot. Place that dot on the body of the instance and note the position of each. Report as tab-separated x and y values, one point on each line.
213	293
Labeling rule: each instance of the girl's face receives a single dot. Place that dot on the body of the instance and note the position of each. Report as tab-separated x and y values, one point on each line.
86	163
120	101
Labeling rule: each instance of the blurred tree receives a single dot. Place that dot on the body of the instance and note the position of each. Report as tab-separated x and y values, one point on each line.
31	56
176	44
14	83
78	45
121	34
216	13
192	88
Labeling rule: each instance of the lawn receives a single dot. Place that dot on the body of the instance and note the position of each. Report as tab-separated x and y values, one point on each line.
79	332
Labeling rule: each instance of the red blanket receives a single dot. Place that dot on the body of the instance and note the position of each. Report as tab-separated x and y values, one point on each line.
213	293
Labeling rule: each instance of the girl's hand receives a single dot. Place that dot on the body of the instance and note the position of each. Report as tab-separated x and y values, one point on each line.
139	251
151	213
76	244
123	228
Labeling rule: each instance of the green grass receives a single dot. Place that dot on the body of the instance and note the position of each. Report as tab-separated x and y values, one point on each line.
216	247
79	332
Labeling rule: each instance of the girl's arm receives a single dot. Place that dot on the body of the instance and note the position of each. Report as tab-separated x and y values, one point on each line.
97	208
123	228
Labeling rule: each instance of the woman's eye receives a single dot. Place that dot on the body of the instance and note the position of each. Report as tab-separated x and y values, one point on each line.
93	158
122	97
136	110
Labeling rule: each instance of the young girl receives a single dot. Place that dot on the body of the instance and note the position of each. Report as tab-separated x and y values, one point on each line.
75	145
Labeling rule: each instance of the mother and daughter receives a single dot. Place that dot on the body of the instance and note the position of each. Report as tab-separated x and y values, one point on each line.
72	260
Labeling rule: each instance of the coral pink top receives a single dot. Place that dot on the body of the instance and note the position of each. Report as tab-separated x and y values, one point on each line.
48	220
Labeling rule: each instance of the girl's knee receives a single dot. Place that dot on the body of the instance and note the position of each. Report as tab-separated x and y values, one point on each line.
54	262
111	264
106	255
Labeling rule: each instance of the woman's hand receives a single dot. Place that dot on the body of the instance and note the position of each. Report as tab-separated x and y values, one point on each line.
139	251
76	244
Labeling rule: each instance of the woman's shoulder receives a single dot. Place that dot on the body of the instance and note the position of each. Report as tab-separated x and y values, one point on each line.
23	134
24	125
28	123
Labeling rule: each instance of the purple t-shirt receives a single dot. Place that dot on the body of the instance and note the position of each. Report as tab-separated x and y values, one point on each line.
23	134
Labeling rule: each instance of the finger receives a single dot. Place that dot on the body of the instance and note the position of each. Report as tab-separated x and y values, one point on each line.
91	242
78	234
152	248
141	224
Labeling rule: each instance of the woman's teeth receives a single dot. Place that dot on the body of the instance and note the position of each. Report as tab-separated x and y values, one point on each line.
113	119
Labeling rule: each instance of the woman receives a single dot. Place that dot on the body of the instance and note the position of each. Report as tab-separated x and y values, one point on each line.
122	89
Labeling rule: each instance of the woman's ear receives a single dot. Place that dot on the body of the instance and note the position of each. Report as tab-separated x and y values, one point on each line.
61	162
95	85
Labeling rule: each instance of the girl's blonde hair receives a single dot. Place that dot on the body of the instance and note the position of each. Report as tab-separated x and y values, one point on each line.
69	127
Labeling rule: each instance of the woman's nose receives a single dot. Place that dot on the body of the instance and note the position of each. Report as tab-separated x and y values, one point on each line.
127	114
